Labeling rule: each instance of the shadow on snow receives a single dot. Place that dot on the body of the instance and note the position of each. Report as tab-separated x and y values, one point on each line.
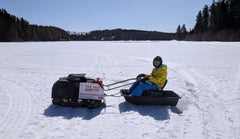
70	112
155	111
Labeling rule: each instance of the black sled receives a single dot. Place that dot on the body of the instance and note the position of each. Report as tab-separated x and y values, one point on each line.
153	97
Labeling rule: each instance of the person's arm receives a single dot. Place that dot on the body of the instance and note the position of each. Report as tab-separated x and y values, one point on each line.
160	79
148	75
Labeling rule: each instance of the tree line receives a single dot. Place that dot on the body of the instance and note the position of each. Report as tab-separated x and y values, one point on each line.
219	22
18	29
123	34
15	29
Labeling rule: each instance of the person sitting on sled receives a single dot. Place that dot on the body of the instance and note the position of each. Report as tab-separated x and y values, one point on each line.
151	81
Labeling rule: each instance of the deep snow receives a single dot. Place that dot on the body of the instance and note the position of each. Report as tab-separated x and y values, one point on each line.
205	74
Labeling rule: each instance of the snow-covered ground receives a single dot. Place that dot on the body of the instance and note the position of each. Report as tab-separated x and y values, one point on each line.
205	74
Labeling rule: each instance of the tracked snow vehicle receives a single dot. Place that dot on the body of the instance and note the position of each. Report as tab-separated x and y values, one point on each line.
76	90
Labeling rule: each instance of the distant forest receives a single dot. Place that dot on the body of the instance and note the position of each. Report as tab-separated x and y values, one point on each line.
219	22
122	34
15	29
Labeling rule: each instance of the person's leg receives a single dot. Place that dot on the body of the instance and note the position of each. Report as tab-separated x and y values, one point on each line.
133	86
141	87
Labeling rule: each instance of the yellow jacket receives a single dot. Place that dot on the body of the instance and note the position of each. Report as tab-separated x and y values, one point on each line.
158	76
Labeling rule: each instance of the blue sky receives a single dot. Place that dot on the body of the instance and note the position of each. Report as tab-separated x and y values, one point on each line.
88	15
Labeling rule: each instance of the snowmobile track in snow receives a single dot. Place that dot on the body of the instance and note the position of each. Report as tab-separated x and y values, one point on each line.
19	106
200	89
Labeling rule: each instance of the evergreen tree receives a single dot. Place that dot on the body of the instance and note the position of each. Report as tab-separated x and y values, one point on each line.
178	33
198	26
178	29
205	18
213	17
234	13
222	17
183	30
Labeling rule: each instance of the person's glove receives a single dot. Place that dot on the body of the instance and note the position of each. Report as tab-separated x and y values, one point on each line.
144	79
140	76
